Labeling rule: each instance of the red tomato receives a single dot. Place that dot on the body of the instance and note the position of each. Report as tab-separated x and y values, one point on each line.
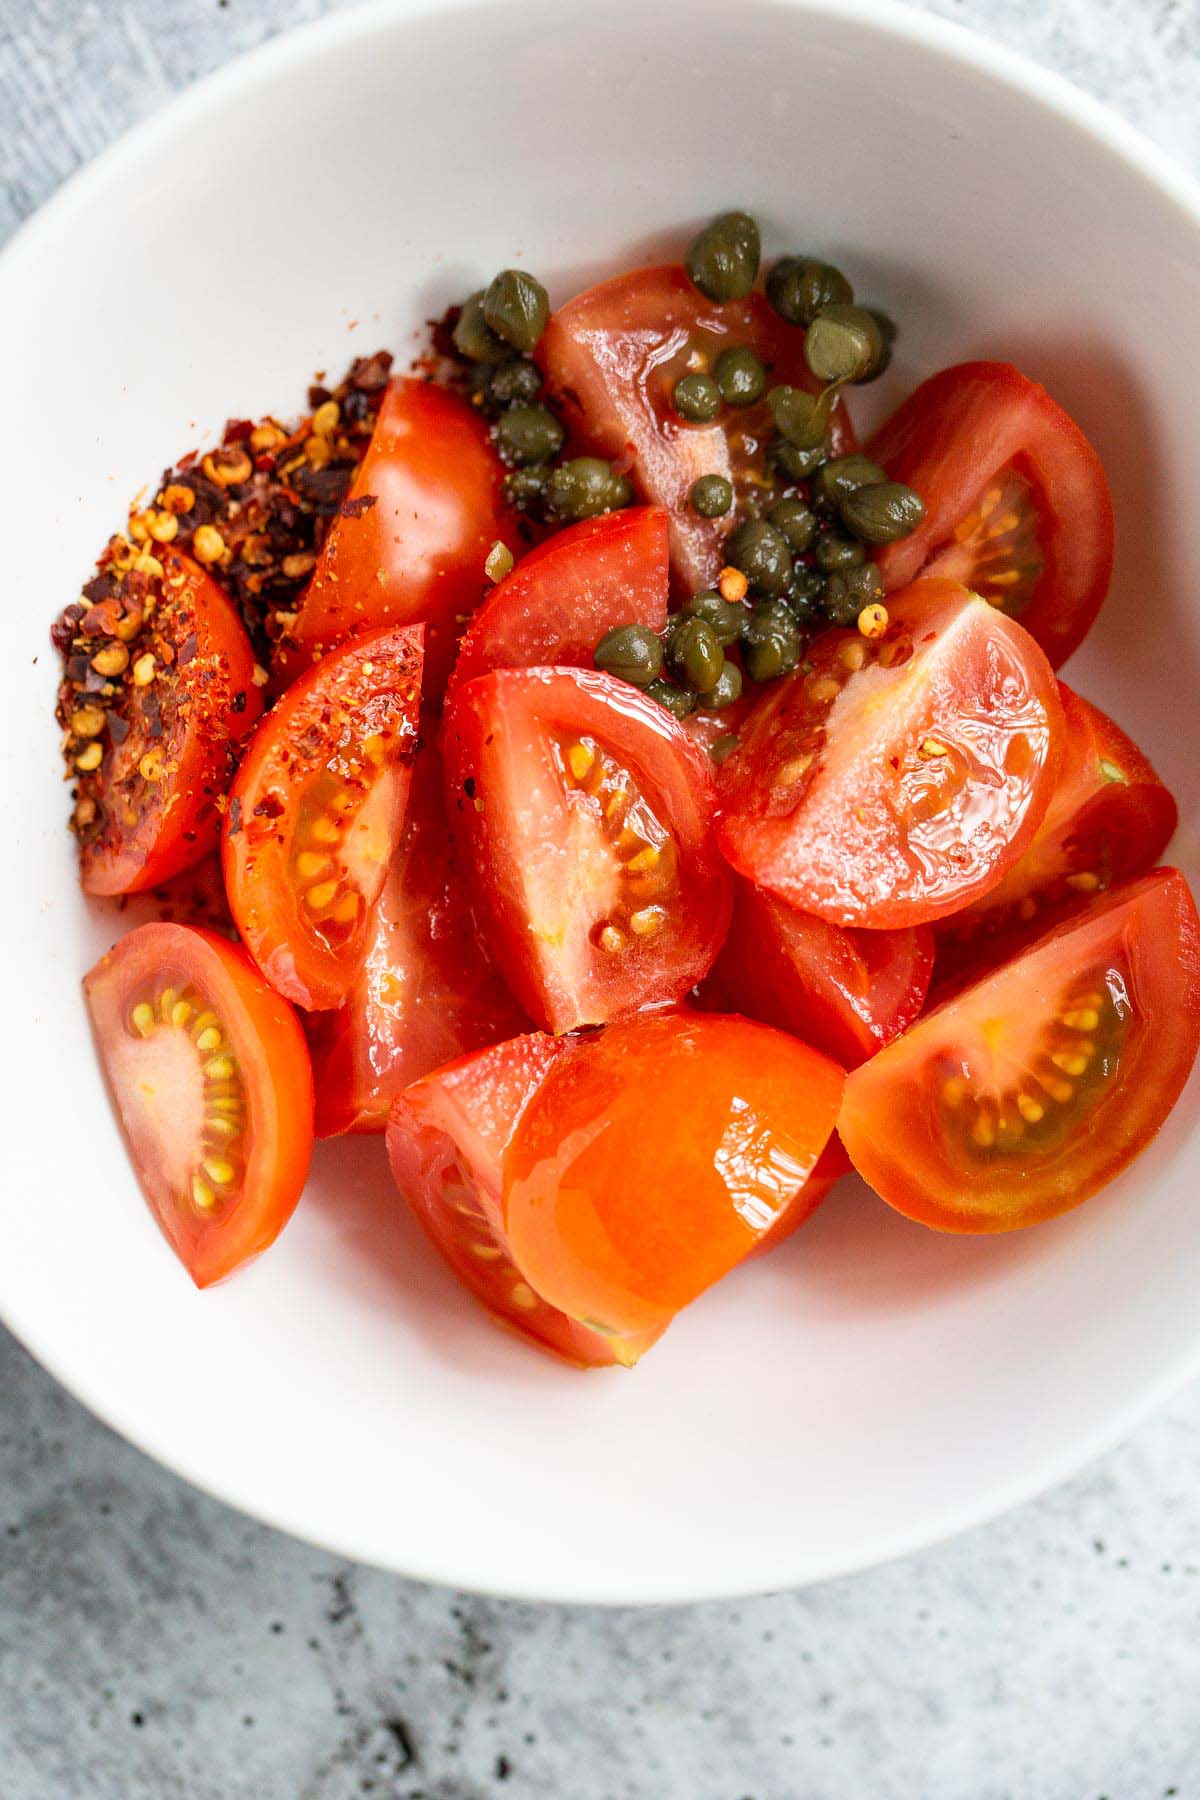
832	1164
583	809
413	533
1017	505
896	781
428	991
168	758
447	1139
1025	1093
1109	818
848	993
210	1076
561	598
612	357
316	811
655	1155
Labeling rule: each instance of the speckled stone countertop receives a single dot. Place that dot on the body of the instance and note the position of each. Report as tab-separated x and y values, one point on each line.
154	1644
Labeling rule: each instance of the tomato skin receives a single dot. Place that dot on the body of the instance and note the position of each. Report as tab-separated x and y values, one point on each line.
655	1155
417	553
611	357
949	439
895	788
428	992
200	708
545	864
264	1034
560	599
342	737
832	1164
845	992
1138	947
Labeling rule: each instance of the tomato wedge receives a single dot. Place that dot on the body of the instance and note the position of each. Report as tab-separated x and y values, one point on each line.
832	1164
583	809
563	596
1017	504
210	1077
896	781
181	694
847	993
316	811
412	535
428	991
1021	1096
654	1156
447	1139
612	357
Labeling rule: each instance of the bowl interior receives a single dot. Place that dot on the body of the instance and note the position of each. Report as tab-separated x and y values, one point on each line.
873	1385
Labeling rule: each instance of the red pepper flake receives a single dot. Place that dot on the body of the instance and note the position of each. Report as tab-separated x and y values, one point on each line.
354	509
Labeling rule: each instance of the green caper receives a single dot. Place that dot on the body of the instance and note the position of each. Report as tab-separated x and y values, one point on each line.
711	496
527	434
631	653
676	700
722	260
882	513
726	617
514	383
581	488
726	689
516	308
796	521
696	655
620	492
523	488
474	338
761	553
887	330
843	343
845	473
771	641
740	376
799	286
696	397
801	417
834	551
794	463
803	597
847	591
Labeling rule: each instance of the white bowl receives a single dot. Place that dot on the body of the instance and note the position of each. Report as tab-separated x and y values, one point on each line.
873	1386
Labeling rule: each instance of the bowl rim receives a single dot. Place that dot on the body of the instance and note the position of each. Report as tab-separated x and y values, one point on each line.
88	185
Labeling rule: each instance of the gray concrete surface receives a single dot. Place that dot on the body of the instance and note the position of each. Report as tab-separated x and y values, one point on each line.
154	1644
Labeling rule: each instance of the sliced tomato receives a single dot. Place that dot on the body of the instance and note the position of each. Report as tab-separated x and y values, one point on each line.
612	357
447	1139
412	535
1109	818
846	992
655	1156
1017	504
316	812
428	991
210	1076
583	809
891	783
832	1164
563	596
1028	1091
186	695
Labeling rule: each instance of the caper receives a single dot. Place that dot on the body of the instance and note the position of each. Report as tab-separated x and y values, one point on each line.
803	597
796	521
882	513
761	553
631	653
528	434
796	464
696	655
620	492
474	338
799	286
722	260
726	617
582	488
847	591
834	551
711	496
771	641
726	689
525	487
674	699
514	383
845	473
516	308
843	343
801	417
696	397
887	331
740	376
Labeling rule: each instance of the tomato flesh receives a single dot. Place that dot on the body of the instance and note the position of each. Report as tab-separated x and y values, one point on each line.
1026	1092
428	991
654	1157
832	1164
316	811
896	781
584	811
210	1076
1017	504
612	357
